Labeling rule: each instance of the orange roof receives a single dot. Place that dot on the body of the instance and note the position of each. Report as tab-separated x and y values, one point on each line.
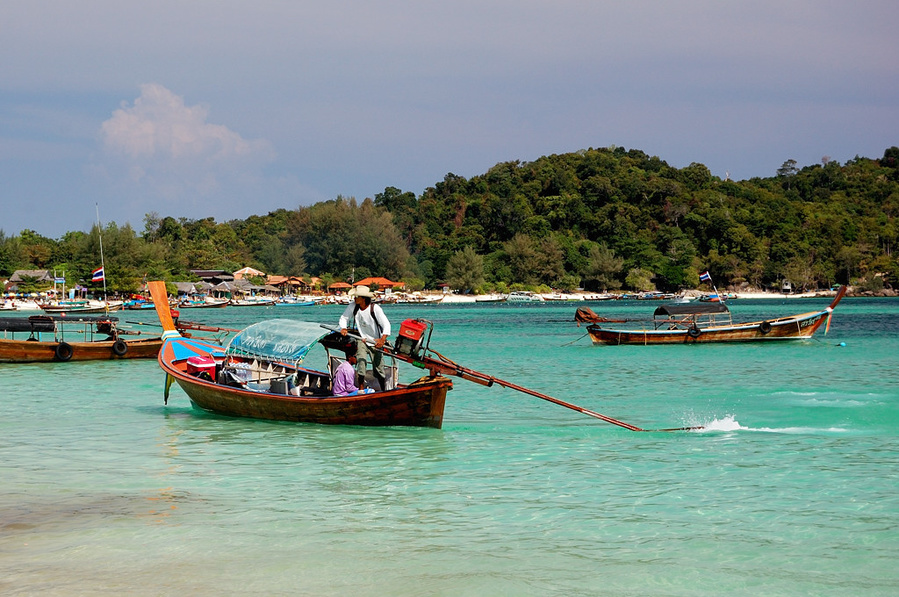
247	271
339	285
381	282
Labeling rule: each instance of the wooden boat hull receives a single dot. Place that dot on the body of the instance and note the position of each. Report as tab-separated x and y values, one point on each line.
796	327
56	310
419	404
411	406
25	351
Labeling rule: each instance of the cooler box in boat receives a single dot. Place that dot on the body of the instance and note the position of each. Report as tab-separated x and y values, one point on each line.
197	365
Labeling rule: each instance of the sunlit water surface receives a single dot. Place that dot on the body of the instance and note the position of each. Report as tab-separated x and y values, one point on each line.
790	490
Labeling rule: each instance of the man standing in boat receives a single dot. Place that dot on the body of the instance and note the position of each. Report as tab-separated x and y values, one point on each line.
373	326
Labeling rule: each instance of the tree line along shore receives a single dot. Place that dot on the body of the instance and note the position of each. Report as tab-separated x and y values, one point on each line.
605	219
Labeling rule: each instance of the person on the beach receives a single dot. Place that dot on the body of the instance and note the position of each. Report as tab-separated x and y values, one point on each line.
373	326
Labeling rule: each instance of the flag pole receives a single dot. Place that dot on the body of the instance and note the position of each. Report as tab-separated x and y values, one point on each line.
714	287
102	262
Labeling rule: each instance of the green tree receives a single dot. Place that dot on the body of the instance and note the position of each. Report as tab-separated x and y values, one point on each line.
341	234
11	257
272	256
465	270
639	279
787	169
36	249
602	269
787	172
523	259
294	261
799	271
696	176
549	266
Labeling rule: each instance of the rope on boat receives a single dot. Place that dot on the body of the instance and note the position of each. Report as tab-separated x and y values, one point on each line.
576	339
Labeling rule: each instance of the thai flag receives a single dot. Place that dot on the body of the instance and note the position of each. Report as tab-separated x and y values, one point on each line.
705	277
97	275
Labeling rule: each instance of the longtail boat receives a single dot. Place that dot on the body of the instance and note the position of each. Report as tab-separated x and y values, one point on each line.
705	322
260	374
46	338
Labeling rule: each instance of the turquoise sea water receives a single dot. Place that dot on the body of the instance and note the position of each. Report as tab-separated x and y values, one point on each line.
792	490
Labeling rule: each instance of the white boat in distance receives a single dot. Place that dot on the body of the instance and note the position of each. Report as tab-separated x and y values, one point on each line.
524	296
253	301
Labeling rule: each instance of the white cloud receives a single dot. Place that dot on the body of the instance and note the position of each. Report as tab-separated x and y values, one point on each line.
173	153
160	126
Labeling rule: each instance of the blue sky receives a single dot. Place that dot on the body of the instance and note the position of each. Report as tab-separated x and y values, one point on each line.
229	108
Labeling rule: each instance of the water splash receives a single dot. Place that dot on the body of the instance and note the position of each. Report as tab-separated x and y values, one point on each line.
728	423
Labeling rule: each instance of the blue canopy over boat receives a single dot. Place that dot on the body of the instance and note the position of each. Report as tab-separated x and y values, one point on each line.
283	340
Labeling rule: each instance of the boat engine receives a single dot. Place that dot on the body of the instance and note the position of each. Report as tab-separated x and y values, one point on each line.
411	339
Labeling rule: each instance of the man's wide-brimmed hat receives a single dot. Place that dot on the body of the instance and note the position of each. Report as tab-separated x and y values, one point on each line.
361	291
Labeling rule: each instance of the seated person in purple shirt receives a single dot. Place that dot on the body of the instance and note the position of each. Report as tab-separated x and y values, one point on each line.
345	377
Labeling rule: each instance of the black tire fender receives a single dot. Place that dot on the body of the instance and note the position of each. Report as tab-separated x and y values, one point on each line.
693	332
765	327
120	347
63	351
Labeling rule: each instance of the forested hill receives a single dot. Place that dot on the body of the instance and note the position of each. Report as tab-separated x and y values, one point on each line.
581	214
599	218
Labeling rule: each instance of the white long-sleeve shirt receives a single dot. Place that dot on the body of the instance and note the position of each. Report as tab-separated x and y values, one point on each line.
364	321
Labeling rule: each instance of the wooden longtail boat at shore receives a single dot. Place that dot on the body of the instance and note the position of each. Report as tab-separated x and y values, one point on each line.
706	322
259	375
47	338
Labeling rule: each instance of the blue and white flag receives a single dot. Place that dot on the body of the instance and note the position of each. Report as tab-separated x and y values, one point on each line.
97	275
705	277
